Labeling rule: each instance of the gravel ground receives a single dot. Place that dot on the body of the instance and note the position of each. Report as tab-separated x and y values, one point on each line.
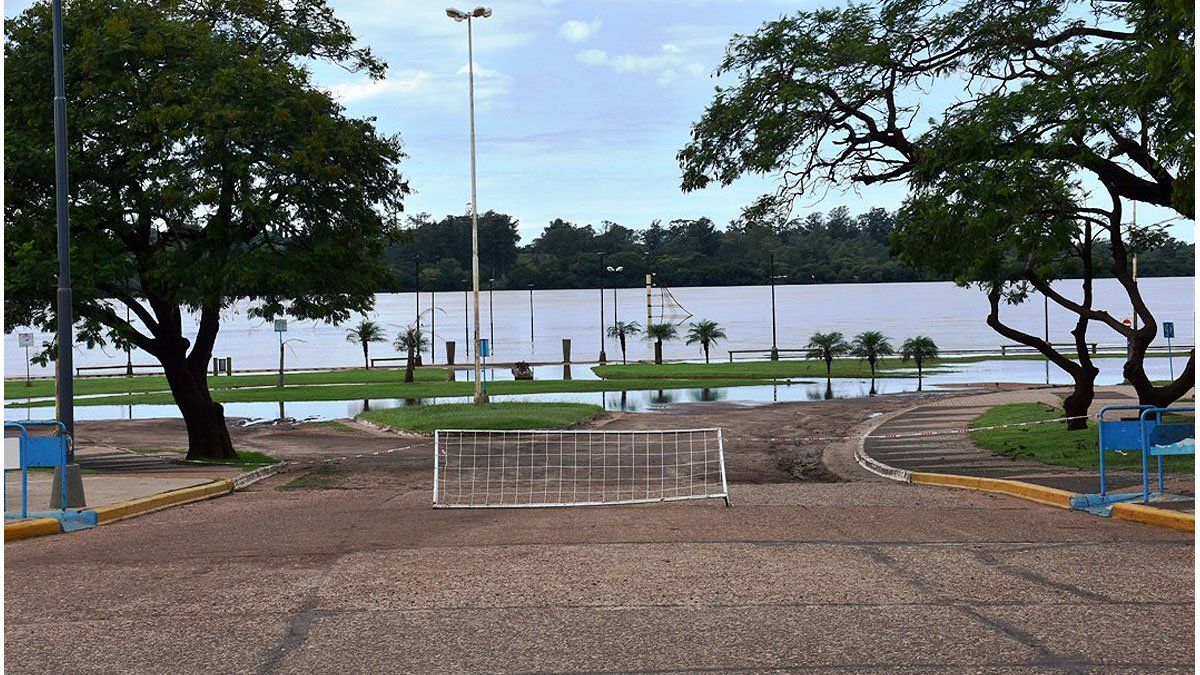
810	570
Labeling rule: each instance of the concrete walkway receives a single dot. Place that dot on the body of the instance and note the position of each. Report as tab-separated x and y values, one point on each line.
112	476
956	454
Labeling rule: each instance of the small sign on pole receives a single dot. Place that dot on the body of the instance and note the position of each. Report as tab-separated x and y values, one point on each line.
1169	332
280	325
26	340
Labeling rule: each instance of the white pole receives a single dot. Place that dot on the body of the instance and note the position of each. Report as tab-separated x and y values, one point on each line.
479	398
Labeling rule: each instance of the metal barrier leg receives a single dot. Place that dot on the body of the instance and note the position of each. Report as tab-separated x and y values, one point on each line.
1145	475
24	492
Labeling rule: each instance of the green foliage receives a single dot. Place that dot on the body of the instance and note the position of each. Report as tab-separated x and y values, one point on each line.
661	332
413	339
871	345
1052	443
624	329
920	349
366	332
485	416
827	347
705	333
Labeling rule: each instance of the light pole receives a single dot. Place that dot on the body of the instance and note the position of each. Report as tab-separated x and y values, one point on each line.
615	270
466	320
64	401
531	314
491	315
417	293
603	356
458	15
432	326
774	336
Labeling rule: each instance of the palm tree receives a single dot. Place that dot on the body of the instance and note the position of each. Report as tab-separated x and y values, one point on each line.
920	349
826	346
621	330
705	332
411	341
660	333
365	333
871	345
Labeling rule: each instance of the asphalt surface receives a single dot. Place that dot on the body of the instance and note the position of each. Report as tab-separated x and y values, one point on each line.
363	576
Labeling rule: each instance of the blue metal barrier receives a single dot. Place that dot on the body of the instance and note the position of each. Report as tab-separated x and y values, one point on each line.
1160	439
39	451
1148	435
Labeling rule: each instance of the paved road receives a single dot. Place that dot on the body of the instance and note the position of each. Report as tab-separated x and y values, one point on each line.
364	577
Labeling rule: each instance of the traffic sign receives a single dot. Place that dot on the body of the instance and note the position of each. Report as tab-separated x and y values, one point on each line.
1168	329
24	339
485	348
280	325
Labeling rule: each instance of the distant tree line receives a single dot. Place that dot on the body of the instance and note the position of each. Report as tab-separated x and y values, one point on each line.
832	247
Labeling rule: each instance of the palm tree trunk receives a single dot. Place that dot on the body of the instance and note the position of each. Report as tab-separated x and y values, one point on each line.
658	352
408	366
366	359
706	355
622	336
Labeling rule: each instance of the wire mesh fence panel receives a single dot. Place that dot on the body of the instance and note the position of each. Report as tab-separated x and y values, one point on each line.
526	468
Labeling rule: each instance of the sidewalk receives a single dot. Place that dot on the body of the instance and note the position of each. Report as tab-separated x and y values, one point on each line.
957	454
111	476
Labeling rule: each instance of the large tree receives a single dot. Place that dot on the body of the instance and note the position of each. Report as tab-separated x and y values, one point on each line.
207	170
1102	87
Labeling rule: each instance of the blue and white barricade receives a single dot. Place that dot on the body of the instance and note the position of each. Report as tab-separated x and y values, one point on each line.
25	451
1150	434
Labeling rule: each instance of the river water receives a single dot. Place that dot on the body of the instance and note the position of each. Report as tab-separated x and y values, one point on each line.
952	316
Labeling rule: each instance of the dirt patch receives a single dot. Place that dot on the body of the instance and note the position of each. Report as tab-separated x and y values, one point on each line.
779	443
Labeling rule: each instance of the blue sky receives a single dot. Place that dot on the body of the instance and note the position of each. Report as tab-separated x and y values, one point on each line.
581	106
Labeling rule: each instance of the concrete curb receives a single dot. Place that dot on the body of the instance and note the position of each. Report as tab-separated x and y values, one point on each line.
27	529
111	513
1137	513
1014	488
136	507
1140	513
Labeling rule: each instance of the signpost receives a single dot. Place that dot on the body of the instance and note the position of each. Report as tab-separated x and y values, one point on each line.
1169	332
26	340
281	328
485	350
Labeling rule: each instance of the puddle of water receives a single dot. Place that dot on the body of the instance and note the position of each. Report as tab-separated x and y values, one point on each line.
631	401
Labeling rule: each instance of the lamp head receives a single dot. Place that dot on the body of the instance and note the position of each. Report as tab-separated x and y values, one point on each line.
481	12
457	15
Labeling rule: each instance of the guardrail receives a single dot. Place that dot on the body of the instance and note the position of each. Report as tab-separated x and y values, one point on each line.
25	452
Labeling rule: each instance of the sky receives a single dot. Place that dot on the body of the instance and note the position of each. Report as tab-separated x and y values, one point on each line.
581	106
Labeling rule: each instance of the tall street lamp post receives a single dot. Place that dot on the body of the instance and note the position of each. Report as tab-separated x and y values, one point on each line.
615	270
603	356
774	335
64	400
459	15
466	320
491	316
531	314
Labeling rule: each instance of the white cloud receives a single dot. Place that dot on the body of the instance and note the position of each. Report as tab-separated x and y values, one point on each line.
579	31
359	90
664	66
592	57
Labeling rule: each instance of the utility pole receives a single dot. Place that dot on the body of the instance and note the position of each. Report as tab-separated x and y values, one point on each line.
531	314
603	356
64	400
459	15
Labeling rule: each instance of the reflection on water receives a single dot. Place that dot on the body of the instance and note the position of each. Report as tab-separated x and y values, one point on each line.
630	401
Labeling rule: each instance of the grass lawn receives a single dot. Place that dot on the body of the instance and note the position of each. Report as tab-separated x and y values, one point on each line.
759	370
321	478
486	416
1052	443
16	389
414	390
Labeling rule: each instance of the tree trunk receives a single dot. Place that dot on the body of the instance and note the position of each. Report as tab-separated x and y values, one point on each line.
623	361
208	436
366	358
828	367
408	366
706	355
658	352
